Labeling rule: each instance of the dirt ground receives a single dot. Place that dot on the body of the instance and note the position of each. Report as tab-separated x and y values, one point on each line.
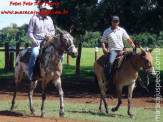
74	91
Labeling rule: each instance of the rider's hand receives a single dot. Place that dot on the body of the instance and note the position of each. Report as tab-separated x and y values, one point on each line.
105	51
47	36
133	45
35	43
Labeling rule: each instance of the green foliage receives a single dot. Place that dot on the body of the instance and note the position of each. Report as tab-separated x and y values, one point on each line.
137	16
89	39
14	34
145	39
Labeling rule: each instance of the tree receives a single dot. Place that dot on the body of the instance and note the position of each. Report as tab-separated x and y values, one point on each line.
136	16
14	34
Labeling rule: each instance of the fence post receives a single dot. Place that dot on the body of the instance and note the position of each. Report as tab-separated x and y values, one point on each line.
11	62
78	59
17	48
96	53
68	59
26	45
6	55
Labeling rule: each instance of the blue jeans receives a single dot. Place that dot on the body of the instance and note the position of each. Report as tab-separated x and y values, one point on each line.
112	55
62	58
111	58
33	57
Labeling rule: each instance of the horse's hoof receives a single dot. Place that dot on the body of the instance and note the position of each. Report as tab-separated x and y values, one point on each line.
43	115
114	109
61	114
11	109
34	113
107	111
132	116
100	109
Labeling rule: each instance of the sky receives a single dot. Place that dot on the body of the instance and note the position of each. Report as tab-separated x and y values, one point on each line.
19	19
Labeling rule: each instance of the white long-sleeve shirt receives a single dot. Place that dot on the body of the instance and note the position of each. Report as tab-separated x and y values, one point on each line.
39	27
115	39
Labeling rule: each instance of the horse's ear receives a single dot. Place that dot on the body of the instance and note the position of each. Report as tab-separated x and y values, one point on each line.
150	50
59	30
142	50
71	28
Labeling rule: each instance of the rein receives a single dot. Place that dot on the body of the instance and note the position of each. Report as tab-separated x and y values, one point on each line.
71	47
133	65
139	79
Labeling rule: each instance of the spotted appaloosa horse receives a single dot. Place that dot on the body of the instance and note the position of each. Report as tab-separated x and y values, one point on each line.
125	76
49	65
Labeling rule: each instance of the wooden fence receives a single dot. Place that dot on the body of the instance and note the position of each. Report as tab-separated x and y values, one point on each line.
9	56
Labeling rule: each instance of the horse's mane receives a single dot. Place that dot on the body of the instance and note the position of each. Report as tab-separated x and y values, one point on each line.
47	50
48	56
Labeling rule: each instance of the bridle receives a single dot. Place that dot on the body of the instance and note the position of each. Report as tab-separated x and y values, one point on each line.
71	47
133	65
147	67
65	47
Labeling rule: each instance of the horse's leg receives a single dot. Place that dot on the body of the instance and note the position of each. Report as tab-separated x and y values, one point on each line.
103	90
14	97
130	91
57	83
119	94
30	94
18	77
100	107
43	98
106	105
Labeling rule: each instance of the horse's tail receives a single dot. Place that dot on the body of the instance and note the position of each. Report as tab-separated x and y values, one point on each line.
99	77
18	69
96	81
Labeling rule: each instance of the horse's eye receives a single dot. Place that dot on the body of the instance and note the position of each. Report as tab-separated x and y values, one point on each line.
146	61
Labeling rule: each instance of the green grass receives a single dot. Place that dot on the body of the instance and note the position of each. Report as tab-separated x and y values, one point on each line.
87	62
83	111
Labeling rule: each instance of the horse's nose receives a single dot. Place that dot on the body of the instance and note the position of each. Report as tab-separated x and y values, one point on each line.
76	54
152	73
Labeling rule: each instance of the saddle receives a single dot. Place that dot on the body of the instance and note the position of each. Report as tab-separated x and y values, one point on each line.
25	58
103	60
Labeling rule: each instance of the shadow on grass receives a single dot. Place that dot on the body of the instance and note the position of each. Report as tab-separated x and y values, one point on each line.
98	113
10	113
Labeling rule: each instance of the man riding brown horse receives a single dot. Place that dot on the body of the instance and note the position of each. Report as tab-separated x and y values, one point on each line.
114	36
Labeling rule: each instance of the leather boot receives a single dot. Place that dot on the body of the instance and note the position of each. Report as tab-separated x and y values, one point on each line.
107	70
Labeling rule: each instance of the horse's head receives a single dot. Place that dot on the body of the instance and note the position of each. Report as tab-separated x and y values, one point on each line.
67	43
147	61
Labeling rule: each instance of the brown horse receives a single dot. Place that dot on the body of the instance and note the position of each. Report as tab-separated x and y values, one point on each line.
126	75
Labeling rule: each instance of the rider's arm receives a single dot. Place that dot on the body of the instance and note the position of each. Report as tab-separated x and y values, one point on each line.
31	30
103	40
105	50
131	43
125	36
